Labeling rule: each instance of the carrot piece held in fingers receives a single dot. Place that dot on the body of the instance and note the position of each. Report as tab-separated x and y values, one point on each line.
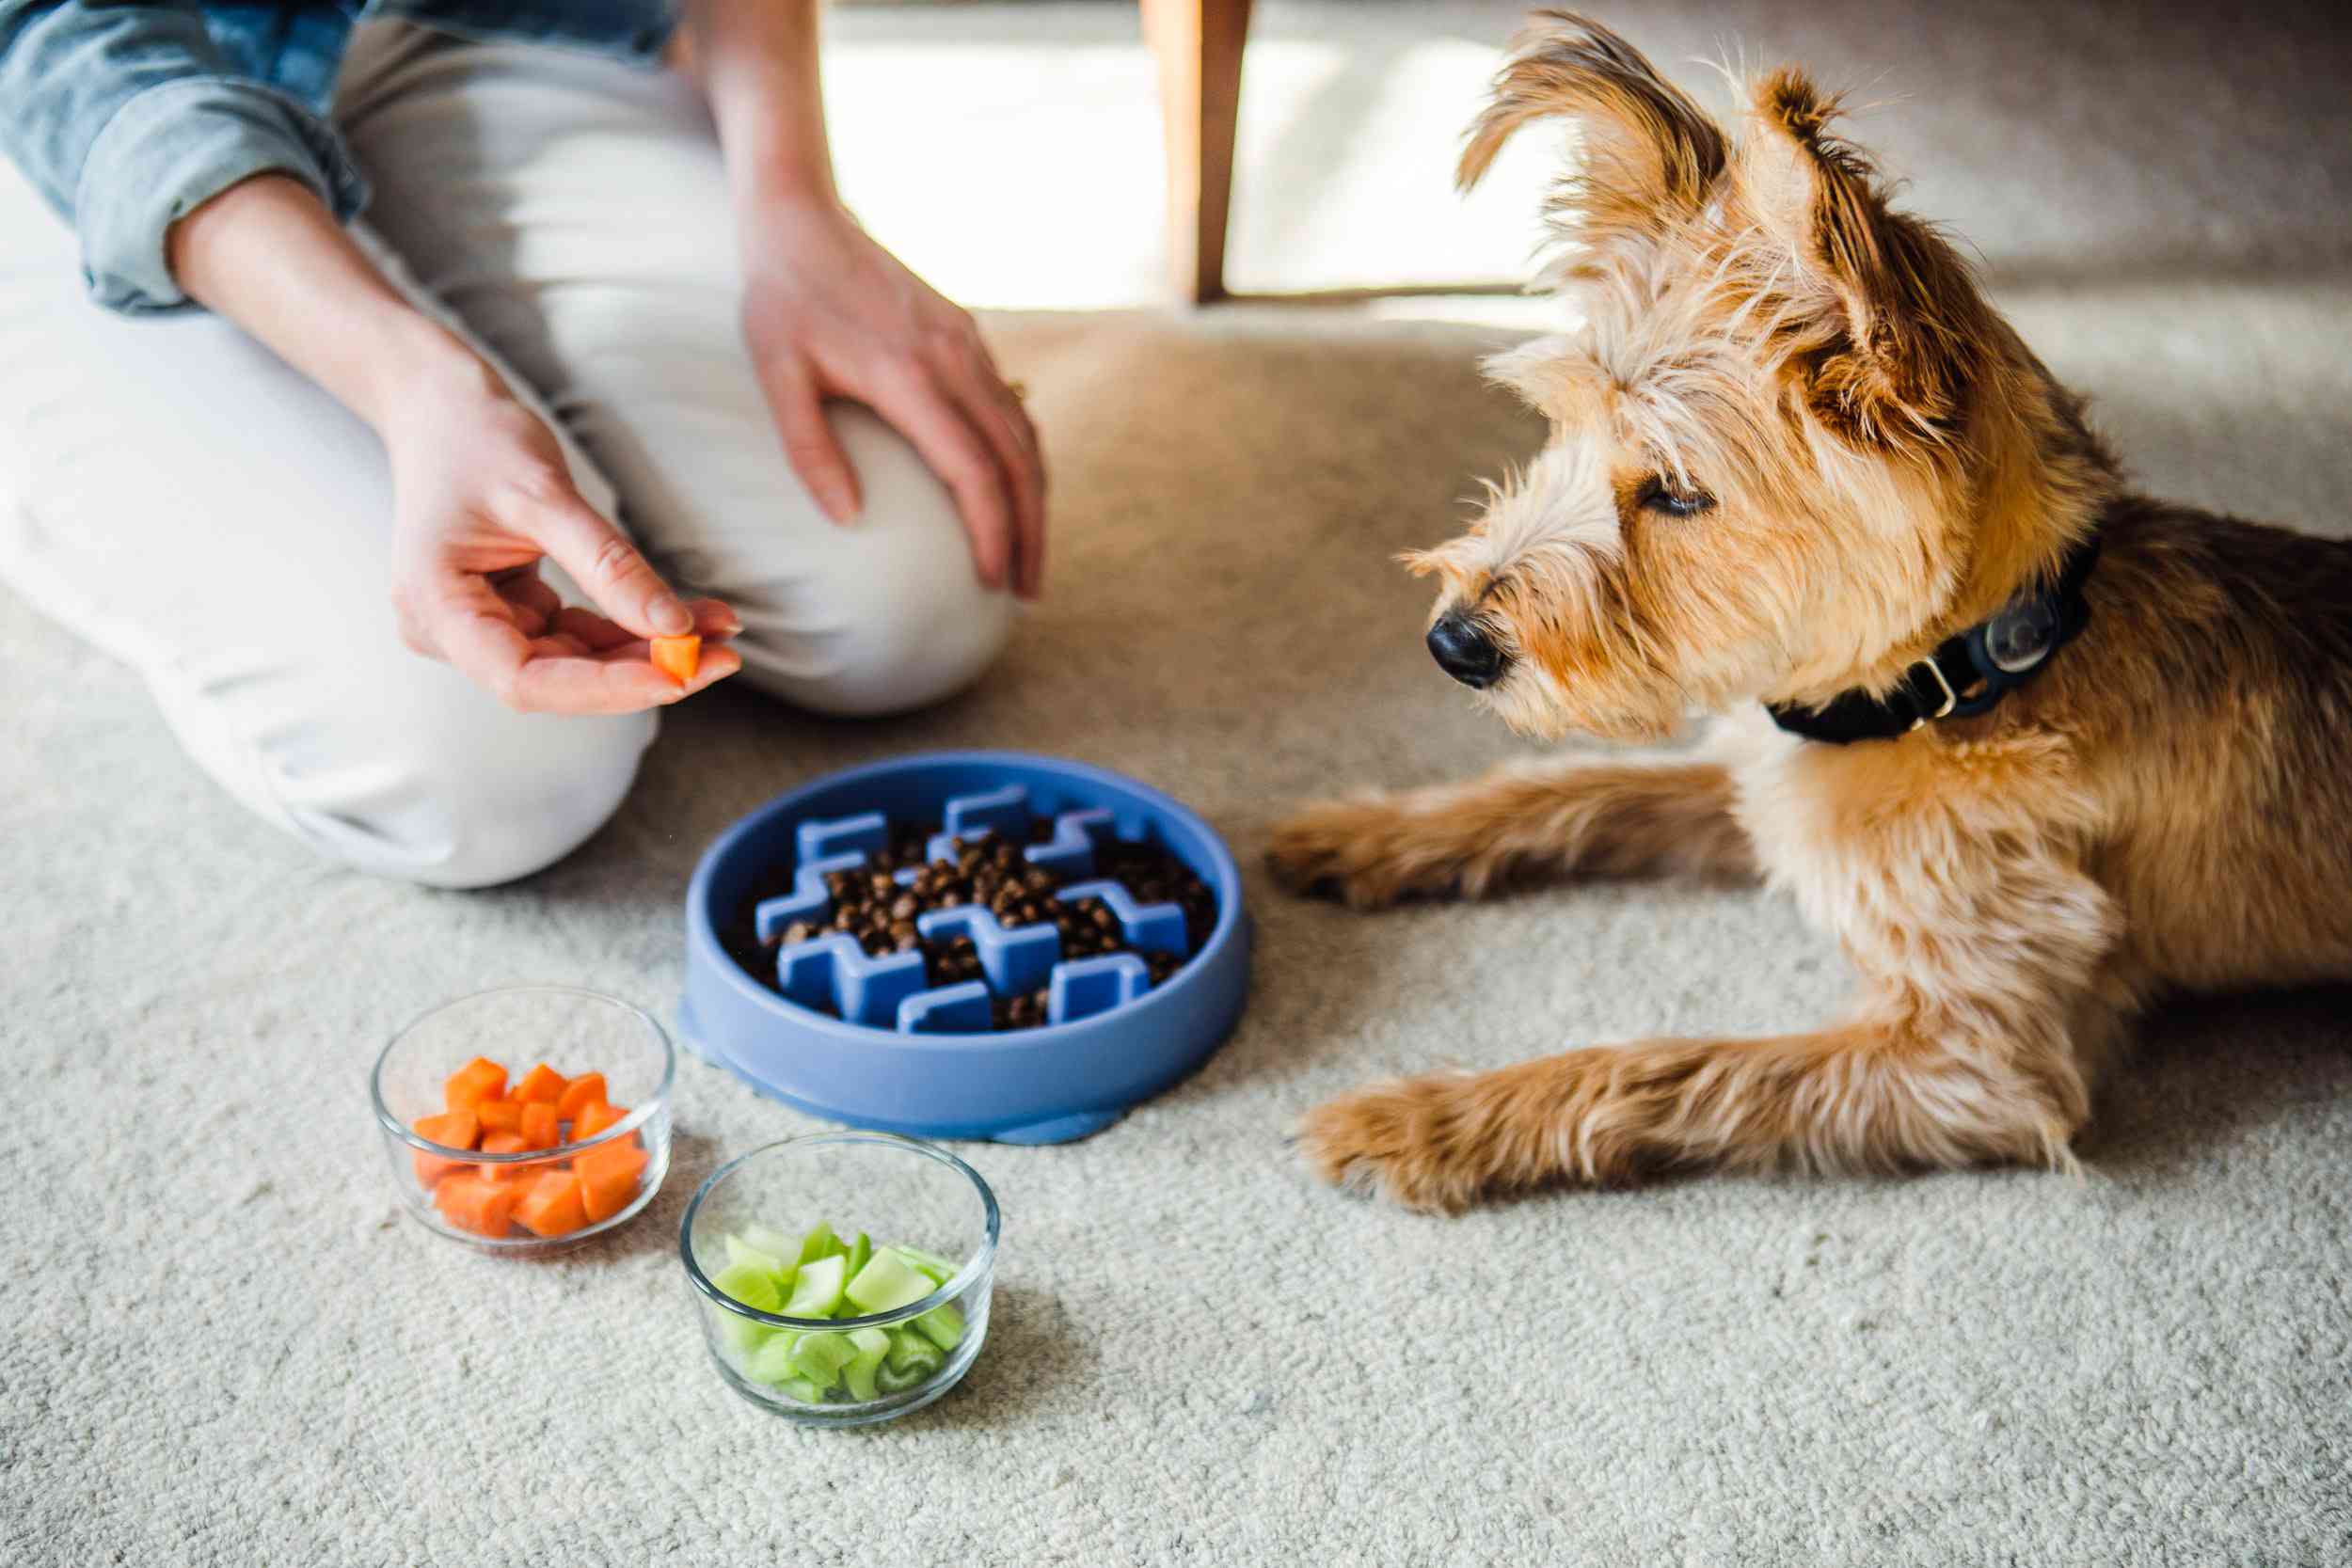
582	1092
677	657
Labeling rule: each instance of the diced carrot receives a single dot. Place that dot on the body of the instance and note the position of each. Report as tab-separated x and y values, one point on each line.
541	1082
677	657
580	1093
552	1206
472	1203
477	1081
593	1120
538	1127
501	1116
507	1143
453	1129
608	1179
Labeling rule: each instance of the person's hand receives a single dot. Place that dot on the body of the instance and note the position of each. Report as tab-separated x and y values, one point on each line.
482	496
828	312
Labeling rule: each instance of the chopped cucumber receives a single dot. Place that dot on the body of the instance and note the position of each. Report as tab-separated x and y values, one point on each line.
887	1283
742	1254
767	1239
943	1326
820	1357
752	1285
912	1354
803	1391
771	1363
860	1375
816	1291
819	1242
860	1250
742	1336
888	1382
932	1263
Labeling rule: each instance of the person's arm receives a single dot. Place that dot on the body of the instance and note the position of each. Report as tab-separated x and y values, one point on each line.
481	488
828	312
127	118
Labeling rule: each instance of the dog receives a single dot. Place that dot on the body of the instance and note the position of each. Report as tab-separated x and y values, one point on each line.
2036	749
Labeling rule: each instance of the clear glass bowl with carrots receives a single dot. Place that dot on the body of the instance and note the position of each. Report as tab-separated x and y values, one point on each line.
526	1119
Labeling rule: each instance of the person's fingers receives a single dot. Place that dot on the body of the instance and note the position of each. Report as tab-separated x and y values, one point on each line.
473	629
930	418
530	595
560	645
997	415
599	558
592	629
714	618
809	444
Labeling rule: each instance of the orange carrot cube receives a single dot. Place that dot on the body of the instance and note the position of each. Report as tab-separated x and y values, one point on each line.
538	1127
451	1129
477	1081
472	1203
595	1119
582	1092
677	657
608	1179
552	1206
501	1116
542	1083
507	1143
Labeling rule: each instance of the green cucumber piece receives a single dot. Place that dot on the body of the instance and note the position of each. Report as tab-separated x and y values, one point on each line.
816	1291
871	1345
820	1357
943	1326
742	1254
771	1363
803	1391
819	1242
774	1243
752	1285
932	1263
888	1382
887	1283
912	1354
742	1336
860	1250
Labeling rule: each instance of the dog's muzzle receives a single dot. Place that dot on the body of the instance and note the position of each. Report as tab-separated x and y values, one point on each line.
1464	650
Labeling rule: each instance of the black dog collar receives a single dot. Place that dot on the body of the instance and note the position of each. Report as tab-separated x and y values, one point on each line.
1968	674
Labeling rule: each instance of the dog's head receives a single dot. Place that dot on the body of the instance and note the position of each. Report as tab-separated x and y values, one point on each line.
1792	445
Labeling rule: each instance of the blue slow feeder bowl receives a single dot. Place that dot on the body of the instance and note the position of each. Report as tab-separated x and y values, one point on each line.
925	1062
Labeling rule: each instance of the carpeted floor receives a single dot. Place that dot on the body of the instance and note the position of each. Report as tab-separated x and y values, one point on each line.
224	1345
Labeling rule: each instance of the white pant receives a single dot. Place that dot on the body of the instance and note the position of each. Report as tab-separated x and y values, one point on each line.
175	494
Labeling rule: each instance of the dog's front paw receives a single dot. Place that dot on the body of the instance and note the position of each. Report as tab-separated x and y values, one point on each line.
1364	851
1407	1141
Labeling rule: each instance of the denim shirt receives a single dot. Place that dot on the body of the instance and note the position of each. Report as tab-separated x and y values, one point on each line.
126	116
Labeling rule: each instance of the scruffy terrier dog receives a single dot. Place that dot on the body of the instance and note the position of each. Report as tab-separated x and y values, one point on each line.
2037	749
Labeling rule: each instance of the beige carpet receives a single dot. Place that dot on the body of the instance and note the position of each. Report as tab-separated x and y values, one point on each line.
225	1346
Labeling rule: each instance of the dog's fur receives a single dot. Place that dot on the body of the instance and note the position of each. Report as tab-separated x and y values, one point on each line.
2167	806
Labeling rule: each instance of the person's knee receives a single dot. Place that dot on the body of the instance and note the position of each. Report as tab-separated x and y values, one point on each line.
891	615
410	772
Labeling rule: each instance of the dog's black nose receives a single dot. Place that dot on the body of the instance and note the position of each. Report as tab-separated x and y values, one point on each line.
1463	649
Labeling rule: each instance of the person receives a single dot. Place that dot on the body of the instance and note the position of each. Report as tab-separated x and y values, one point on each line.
511	336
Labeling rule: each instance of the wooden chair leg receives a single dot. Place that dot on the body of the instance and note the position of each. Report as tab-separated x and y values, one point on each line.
1198	44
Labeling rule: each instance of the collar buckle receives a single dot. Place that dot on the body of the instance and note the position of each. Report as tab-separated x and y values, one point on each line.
1951	698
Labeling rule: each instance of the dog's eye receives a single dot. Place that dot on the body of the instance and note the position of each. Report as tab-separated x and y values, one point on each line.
1659	494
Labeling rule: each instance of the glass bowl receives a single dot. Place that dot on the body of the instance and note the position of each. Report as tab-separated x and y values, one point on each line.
493	1194
928	1223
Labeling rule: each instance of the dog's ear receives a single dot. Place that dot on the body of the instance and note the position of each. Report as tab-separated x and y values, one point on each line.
1648	156
1889	321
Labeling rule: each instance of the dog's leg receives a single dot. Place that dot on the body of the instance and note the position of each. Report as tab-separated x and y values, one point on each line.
1616	819
1872	1096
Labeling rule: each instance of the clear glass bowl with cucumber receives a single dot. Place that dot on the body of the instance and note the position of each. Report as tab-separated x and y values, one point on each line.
842	1278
